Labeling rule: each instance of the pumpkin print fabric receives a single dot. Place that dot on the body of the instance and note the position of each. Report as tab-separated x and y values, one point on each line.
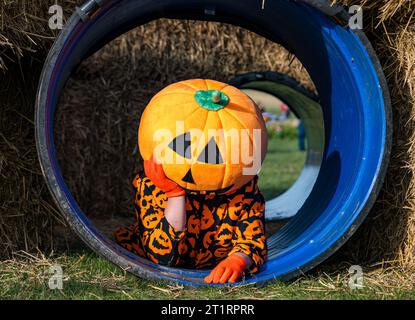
217	226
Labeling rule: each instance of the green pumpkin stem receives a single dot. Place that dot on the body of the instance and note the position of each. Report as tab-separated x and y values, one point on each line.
216	97
212	100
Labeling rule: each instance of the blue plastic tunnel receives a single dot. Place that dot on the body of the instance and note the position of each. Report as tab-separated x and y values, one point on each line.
353	96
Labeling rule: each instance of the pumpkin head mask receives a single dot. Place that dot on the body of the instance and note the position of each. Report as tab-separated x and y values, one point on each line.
208	136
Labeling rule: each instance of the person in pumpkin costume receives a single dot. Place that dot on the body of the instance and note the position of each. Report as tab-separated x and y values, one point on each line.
207	211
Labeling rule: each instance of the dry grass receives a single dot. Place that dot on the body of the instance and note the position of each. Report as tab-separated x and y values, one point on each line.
24	27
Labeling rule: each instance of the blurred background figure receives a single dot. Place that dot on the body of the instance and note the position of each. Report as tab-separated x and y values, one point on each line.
285	112
269	117
301	136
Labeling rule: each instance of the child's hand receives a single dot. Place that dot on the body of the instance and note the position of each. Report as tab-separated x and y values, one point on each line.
154	171
229	270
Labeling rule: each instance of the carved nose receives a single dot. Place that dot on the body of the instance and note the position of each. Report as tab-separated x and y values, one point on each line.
188	177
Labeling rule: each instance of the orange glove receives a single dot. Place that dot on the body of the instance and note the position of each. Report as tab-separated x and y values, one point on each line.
154	171
228	270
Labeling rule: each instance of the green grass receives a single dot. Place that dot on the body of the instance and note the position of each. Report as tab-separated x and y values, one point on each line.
88	276
281	168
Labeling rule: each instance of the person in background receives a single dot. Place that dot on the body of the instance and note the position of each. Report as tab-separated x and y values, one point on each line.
301	136
285	112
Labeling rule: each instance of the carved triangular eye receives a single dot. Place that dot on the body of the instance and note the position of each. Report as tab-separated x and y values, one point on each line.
211	153
181	145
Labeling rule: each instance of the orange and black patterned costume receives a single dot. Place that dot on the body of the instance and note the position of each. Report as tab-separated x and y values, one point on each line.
217	226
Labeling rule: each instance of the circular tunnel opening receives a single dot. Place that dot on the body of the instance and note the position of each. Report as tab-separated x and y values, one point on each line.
353	98
275	92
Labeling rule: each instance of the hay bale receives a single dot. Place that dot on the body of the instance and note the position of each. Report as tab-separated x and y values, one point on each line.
388	234
164	52
24	27
26	208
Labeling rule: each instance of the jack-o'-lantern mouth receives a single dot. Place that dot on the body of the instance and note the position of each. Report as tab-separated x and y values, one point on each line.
207	192
188	178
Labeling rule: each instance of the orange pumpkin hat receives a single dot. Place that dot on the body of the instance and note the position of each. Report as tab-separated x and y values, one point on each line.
206	134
